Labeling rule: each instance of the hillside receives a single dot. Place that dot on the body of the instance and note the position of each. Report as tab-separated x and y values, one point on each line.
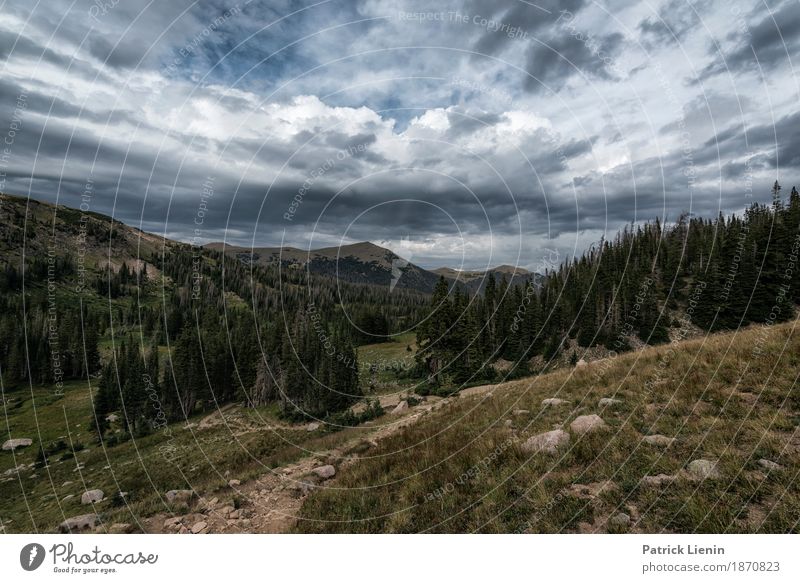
36	228
452	465
469	466
357	263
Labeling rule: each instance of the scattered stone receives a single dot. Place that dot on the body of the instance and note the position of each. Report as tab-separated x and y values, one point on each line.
401	406
172	523
234	515
587	424
554	402
234	483
120	528
198	527
590	491
581	363
620	519
312	427
521	412
508	423
113	418
769	465
658	480
13	444
703	469
660	440
551	442
608	402
92	497
78	523
174	497
325	472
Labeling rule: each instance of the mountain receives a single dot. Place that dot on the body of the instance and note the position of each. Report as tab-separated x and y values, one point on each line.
368	263
358	263
475	280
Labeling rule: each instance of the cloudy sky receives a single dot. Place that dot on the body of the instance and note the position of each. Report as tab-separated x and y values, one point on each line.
466	133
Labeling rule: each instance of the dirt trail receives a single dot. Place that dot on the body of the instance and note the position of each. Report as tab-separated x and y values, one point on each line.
271	502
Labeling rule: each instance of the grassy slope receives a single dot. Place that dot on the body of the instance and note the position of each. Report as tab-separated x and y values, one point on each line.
460	469
385	355
33	500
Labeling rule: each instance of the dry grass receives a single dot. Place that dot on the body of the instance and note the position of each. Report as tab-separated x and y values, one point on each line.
730	398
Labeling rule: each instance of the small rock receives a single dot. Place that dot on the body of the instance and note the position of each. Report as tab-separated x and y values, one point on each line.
508	423
67	497
92	497
325	472
660	440
13	444
658	480
312	427
234	483
172	523
551	442
178	496
608	402
521	412
113	418
703	469
769	465
587	424
581	363
554	402
620	519
78	523
234	515
401	406
120	528
198	527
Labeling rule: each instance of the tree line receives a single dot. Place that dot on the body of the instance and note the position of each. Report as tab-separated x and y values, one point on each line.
736	270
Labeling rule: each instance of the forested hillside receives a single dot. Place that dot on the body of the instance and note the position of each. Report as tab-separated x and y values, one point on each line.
150	320
649	283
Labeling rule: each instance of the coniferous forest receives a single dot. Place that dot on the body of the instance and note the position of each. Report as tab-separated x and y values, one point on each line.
191	329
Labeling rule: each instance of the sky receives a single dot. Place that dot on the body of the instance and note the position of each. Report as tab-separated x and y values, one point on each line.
467	134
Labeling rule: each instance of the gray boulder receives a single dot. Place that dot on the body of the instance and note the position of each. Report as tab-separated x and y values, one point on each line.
587	424
92	497
550	442
401	406
325	472
174	497
608	402
769	465
553	402
703	469
79	523
13	444
620	519
659	440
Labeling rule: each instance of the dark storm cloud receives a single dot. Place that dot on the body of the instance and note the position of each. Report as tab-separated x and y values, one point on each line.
781	140
769	44
410	121
674	21
550	64
530	17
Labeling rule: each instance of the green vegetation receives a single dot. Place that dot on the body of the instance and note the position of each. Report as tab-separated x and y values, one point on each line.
731	398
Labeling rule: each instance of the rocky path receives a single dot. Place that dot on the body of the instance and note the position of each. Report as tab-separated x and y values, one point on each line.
271	502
